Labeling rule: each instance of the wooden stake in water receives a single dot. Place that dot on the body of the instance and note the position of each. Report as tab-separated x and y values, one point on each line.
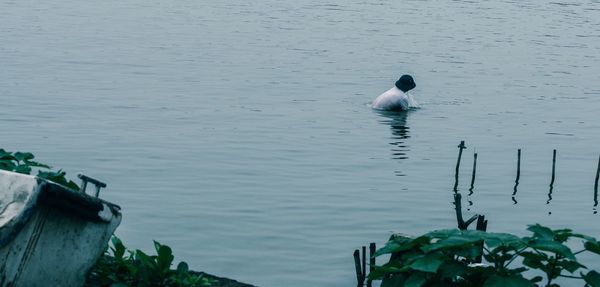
518	166
372	249
518	176
596	187
481	226
597	177
364	264
359	275
461	146
473	175
481	223
553	166
462	224
553	176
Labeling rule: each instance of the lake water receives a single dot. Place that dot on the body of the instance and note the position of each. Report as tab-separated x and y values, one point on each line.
241	135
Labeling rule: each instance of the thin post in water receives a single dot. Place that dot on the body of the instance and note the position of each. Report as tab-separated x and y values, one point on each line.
597	177
372	249
359	275
461	146
518	166
553	166
553	176
518	176
462	224
364	264
596	187
481	226
473	174
481	223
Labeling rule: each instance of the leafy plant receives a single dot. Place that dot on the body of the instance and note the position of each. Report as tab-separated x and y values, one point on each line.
23	162
451	258
136	268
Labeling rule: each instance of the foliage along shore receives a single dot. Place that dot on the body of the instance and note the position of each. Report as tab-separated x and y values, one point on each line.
477	258
122	267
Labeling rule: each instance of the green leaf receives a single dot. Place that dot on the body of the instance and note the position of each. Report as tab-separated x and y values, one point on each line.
508	281
7	165
428	263
443	233
570	265
37	164
493	240
70	184
207	281
7	156
380	272
396	280
539	256
395	244
592	246
24	169
552	246
583	236
562	235
415	280
592	278
532	260
450	269
456	241
145	260
58	177
470	252
536	279
23	156
389	268
401	243
541	231
165	256
115	240
182	268
119	248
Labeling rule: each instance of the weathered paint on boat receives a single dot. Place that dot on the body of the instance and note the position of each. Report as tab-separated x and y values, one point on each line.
50	235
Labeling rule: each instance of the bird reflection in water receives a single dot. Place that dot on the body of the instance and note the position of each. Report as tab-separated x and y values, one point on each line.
400	133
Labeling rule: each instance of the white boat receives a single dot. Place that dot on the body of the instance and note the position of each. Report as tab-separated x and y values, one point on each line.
50	235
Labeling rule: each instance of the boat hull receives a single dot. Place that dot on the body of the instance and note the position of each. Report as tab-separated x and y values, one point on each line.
50	235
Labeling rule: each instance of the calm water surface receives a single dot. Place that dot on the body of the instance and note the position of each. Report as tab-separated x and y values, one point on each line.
241	134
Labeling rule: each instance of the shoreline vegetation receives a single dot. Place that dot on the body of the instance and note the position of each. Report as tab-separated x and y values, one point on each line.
118	266
455	257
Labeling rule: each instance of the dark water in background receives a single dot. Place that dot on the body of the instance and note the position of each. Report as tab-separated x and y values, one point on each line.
240	133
